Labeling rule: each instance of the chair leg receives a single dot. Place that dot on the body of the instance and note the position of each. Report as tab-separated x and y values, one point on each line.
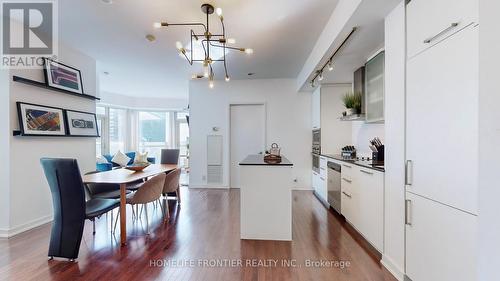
147	222
116	221
93	226
178	193
140	213
167	211
111	227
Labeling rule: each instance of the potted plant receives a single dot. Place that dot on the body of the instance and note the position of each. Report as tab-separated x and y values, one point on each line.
352	103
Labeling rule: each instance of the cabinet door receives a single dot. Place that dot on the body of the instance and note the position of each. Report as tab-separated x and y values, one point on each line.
442	121
440	241
374	94
315	181
316	108
350	199
431	21
371	202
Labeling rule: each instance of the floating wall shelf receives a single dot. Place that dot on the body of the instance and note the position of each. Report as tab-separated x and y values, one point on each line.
44	86
354	117
18	133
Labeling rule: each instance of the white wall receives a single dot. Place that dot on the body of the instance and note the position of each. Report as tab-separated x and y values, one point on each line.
4	151
146	103
489	140
288	122
393	257
335	134
30	199
363	132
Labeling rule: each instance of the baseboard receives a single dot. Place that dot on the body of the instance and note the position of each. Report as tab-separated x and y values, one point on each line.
4	233
392	268
7	233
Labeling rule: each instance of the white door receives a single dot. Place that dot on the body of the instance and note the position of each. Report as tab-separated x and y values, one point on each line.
441	241
442	121
248	126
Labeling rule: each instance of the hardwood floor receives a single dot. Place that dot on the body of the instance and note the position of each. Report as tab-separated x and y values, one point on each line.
203	230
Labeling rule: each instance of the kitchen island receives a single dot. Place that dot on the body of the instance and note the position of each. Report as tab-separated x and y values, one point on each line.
265	199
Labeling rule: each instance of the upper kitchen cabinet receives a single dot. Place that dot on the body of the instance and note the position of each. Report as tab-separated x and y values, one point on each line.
374	89
316	108
429	22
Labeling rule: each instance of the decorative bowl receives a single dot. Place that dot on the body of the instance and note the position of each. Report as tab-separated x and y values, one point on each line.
137	167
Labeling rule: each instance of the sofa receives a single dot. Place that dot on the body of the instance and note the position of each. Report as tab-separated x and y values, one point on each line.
110	165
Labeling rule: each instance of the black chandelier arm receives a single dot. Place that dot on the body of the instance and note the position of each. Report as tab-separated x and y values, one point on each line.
227	47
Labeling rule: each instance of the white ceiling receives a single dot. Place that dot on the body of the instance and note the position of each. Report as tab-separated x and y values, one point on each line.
282	33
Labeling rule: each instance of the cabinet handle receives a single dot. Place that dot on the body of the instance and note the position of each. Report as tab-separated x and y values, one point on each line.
409	172
347	166
407	212
322	169
430	39
366	172
346	194
349	181
322	178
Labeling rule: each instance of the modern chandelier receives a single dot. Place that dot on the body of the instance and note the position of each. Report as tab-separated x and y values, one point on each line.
208	41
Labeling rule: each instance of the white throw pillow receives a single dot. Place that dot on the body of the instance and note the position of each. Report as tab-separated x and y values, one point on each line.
141	157
120	159
101	160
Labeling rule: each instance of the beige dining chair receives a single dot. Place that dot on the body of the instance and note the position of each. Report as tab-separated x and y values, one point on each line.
148	192
172	185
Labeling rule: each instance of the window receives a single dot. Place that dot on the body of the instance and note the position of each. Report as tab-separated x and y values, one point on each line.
99	143
117	130
182	137
154	132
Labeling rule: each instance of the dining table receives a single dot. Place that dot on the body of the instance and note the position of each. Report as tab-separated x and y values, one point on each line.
124	178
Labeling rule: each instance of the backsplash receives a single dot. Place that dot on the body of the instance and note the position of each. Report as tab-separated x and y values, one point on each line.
362	133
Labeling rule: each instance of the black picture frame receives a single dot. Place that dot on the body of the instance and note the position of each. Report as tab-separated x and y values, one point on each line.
70	125
26	132
48	63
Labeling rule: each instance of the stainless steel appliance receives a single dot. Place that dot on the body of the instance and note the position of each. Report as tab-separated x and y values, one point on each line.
316	141
315	162
334	181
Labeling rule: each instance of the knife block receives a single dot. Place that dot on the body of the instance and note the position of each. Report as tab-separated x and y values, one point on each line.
379	155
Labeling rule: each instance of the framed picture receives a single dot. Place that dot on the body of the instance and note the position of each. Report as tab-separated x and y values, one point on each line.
81	124
61	76
40	120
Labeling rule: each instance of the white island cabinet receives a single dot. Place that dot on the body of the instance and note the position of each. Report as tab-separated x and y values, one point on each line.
265	199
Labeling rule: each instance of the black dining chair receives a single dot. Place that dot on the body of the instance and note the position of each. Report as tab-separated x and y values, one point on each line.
169	156
70	207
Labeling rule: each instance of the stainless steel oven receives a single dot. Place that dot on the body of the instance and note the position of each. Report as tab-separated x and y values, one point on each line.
316	141
315	162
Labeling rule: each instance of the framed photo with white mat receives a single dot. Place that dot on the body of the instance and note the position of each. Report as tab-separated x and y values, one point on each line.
81	124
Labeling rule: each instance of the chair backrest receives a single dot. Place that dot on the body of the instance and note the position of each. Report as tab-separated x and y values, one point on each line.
149	191
66	186
172	181
170	156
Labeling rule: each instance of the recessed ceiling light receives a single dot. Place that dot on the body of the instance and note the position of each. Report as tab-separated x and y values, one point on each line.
107	1
150	37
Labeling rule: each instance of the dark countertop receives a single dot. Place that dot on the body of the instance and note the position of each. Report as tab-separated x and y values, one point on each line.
377	166
258	160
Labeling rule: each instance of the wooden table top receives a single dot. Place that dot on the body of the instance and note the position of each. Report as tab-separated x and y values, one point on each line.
123	176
